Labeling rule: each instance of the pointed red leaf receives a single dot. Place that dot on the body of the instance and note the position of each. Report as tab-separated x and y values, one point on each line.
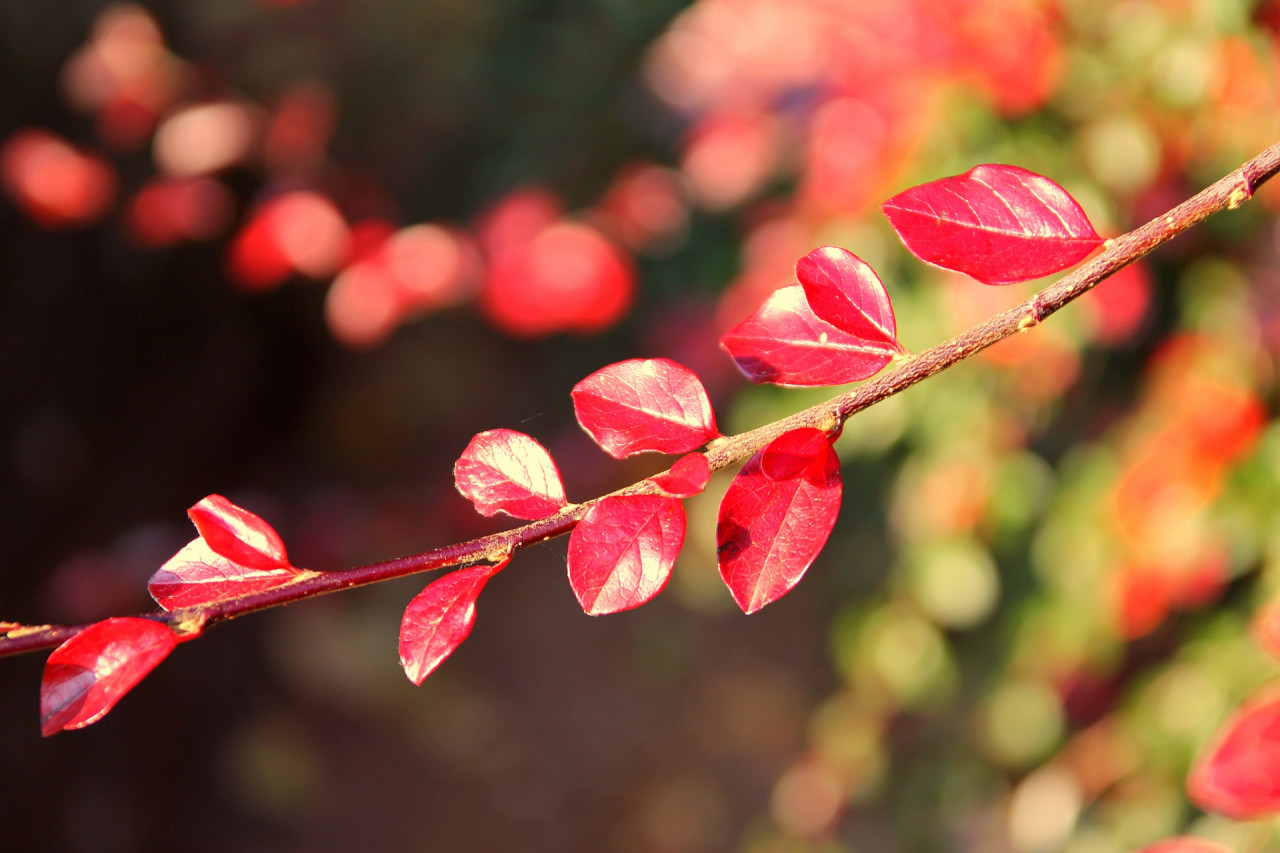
507	471
197	575
843	290
238	534
687	477
1185	844
1239	774
785	343
622	552
998	224
777	515
439	618
88	674
645	404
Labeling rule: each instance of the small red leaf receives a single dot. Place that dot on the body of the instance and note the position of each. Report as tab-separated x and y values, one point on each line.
88	674
1239	774
642	405
687	477
439	618
785	343
622	552
238	534
777	515
843	290
507	471
197	575
1185	844
998	224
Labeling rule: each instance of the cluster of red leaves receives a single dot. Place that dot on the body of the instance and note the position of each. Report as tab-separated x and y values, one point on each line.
836	325
235	553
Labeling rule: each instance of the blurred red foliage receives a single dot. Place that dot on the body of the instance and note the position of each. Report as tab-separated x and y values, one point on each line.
53	183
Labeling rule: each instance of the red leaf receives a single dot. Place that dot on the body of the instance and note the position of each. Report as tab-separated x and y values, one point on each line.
1185	844
843	290
197	575
777	515
507	471
1239	775
998	224
687	477
785	343
238	534
439	618
622	552
88	674
642	405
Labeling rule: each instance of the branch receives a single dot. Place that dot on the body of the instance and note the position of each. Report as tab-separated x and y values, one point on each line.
1228	193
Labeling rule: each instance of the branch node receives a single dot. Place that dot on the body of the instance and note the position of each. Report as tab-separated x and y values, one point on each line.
833	423
498	556
1034	316
1240	194
190	627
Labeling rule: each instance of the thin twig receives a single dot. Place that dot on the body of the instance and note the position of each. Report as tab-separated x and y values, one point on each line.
1228	193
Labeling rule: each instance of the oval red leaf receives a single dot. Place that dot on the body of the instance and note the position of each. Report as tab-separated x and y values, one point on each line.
88	674
843	290
644	404
1185	844
777	515
785	343
507	471
622	552
439	618
238	534
998	224
686	478
1239	775
197	575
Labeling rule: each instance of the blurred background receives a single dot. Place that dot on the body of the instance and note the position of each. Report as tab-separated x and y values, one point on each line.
297	253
